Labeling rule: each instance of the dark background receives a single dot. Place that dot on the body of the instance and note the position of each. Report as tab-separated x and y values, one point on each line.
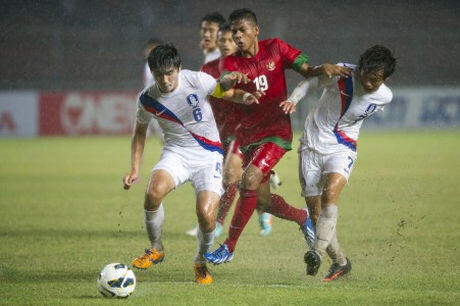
97	45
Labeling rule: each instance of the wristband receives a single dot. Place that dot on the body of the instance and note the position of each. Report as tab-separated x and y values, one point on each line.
246	96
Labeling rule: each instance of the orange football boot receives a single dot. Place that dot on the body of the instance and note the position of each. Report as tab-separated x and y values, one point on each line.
202	275
151	256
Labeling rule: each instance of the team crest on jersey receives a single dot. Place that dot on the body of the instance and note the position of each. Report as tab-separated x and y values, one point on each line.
192	100
271	66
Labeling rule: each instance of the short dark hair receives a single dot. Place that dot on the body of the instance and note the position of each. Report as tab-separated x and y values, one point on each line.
243	13
225	28
376	58
163	57
215	17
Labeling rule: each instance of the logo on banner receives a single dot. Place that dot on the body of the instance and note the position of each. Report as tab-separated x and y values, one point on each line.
97	113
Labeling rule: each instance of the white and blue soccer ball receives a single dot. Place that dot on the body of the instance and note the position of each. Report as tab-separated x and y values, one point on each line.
116	280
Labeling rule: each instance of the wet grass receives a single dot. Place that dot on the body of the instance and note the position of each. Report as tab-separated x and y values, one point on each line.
64	216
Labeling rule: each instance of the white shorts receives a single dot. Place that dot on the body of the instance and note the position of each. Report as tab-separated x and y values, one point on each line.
201	167
314	166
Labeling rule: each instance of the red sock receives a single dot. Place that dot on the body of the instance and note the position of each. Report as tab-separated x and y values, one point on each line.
243	211
278	207
226	201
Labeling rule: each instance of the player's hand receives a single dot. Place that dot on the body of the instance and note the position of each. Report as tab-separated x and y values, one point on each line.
333	70
239	77
249	98
288	107
130	179
258	94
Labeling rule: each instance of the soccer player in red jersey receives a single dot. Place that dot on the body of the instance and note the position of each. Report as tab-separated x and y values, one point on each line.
265	133
226	117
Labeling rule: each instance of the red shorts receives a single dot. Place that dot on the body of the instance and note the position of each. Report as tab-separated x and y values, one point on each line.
264	157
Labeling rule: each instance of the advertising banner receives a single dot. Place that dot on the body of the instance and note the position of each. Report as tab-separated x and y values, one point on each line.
18	113
84	113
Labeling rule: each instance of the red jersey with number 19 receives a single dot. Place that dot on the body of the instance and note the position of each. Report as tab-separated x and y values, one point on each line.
265	122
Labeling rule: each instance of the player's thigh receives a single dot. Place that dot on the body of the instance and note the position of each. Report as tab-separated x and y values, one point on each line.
310	173
172	162
233	168
340	162
207	173
264	157
337	168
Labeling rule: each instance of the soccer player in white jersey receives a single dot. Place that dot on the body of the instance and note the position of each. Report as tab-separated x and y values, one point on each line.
209	26
192	150
328	145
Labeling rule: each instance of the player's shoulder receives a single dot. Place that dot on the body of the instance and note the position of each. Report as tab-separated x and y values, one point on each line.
271	43
190	77
197	79
212	68
383	94
149	90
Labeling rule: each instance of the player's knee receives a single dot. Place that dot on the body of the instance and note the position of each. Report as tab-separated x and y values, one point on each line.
155	195
231	176
251	179
206	219
330	195
263	203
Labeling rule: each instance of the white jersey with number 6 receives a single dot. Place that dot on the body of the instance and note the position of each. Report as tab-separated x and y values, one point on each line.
333	126
184	115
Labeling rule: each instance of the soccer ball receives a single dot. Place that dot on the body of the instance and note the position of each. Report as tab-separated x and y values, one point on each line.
116	280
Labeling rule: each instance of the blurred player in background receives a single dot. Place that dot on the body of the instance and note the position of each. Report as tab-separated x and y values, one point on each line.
147	78
209	26
265	130
327	149
192	149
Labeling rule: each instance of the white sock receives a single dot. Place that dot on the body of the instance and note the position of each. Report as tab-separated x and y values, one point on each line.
204	242
154	225
325	228
334	251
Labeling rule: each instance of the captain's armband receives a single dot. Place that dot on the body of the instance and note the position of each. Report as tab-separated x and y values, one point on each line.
219	92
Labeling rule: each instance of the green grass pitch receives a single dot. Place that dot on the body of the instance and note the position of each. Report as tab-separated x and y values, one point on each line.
64	215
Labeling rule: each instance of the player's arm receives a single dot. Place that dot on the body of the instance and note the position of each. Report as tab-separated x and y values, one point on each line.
299	93
297	60
326	69
235	95
230	78
137	150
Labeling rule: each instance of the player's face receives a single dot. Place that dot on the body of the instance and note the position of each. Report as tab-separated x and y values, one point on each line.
244	33
225	43
371	80
208	34
167	80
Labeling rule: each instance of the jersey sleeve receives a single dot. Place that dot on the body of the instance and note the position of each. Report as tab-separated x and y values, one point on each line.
291	57
208	83
325	81
142	115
